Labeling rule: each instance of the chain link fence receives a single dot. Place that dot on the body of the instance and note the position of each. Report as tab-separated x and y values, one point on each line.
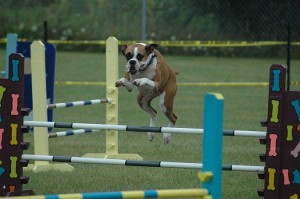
208	21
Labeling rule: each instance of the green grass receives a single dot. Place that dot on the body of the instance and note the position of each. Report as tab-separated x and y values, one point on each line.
244	108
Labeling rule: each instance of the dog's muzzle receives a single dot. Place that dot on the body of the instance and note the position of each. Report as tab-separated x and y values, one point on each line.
132	69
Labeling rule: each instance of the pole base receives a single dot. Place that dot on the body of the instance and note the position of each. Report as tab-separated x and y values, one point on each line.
63	167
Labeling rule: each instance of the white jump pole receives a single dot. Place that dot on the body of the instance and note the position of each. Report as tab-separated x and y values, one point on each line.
78	103
140	129
70	132
144	163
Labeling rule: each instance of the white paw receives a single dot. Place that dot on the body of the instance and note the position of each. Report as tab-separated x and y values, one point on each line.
120	82
138	82
144	81
167	138
150	136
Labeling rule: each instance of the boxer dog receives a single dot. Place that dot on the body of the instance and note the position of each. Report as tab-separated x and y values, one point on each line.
147	70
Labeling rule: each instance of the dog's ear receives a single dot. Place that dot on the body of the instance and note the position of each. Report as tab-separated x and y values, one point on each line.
123	49
149	48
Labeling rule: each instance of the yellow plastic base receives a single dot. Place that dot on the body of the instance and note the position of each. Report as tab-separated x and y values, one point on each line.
63	167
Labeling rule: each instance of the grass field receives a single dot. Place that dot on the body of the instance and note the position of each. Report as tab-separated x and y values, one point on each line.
244	108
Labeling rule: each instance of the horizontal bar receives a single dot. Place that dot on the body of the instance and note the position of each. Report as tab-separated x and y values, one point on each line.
164	193
78	103
69	133
231	84
139	128
242	168
142	163
179	165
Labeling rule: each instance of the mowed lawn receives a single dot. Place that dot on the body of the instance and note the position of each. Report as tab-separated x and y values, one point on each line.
245	107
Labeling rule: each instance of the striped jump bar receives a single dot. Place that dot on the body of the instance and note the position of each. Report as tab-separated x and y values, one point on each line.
178	165
78	103
70	132
139	128
166	193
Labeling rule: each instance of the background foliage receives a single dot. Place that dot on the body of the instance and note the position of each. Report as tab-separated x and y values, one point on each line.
217	20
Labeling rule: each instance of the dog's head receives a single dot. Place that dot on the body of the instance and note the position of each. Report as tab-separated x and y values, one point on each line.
138	56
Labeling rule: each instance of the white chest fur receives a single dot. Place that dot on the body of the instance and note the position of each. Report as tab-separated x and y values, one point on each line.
144	80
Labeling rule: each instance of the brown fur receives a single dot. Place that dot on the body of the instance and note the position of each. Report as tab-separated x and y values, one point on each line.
163	79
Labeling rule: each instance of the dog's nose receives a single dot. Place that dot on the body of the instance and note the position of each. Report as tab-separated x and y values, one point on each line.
132	69
132	62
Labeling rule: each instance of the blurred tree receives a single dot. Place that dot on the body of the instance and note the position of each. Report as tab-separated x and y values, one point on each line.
255	20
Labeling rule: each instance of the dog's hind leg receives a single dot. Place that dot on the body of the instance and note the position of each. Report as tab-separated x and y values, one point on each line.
145	104
166	100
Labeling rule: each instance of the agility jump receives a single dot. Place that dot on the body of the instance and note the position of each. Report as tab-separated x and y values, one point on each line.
212	159
140	129
163	164
39	111
280	130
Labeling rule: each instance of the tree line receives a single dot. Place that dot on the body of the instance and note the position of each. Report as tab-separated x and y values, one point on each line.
218	20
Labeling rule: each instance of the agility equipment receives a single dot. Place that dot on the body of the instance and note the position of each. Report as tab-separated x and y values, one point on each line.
214	105
73	104
41	145
41	139
11	131
70	132
281	174
163	164
139	129
39	99
78	103
167	193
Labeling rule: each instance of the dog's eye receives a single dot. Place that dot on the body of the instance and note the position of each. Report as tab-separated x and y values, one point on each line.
128	56
139	57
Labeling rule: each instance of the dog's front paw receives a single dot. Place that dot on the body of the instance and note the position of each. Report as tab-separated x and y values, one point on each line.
150	136
167	138
142	82
137	82
120	83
